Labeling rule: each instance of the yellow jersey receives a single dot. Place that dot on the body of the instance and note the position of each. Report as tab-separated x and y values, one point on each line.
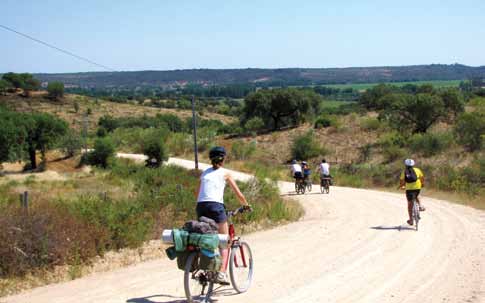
414	185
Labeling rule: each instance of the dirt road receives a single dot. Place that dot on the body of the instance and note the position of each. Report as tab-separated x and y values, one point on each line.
352	246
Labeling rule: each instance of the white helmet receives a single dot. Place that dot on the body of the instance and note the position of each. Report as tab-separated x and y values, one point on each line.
409	162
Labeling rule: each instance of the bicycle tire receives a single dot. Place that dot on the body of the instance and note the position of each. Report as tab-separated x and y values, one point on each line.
236	263
309	187
416	214
193	287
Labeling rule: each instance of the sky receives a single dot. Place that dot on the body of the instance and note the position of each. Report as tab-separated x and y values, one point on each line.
127	35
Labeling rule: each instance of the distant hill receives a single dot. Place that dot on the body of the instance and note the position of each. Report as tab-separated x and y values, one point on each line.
267	77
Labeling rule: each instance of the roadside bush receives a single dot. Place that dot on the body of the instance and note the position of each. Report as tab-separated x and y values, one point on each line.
305	147
103	150
153	147
125	223
429	144
241	150
179	144
470	130
48	235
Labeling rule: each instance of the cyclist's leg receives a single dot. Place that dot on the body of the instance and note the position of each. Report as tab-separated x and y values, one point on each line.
421	207
409	198
224	229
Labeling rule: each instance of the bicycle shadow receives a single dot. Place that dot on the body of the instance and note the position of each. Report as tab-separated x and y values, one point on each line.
220	291
397	227
295	194
149	299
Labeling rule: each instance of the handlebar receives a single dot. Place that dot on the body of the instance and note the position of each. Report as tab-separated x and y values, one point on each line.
240	210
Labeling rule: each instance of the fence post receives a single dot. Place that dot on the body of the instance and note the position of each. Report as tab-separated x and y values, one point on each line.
24	200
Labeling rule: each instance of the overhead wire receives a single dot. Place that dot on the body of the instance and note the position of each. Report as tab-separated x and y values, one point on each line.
57	48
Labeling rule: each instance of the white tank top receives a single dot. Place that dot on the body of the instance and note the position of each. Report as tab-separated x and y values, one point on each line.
212	185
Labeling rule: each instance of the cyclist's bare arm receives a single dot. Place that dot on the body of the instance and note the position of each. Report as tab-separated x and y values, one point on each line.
236	190
422	180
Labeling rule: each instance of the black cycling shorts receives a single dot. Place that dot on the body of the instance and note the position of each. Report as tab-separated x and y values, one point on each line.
298	175
412	192
212	210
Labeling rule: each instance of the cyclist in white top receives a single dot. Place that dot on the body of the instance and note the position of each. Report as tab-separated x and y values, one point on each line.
324	169
210	199
296	171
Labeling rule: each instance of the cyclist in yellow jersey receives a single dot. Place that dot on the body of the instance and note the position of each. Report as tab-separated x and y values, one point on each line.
411	179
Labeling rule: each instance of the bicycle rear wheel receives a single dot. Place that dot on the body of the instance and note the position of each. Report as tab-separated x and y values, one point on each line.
196	282
416	214
241	267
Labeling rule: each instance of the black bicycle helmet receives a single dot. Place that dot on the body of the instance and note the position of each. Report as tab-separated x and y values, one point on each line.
217	152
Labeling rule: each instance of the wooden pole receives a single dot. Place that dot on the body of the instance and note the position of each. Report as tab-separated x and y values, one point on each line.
194	126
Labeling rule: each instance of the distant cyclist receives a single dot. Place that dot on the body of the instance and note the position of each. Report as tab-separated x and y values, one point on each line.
210	199
411	179
306	171
324	170
296	171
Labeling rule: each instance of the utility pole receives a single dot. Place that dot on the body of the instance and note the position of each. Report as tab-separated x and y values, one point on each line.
194	127
85	132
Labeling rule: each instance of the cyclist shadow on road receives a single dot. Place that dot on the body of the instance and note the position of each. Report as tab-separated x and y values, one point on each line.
158	299
219	291
397	227
292	193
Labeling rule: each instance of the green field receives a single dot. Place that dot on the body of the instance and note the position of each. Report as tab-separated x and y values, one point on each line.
364	86
334	103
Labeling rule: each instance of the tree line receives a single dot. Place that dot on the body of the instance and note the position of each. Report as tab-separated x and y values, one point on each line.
10	82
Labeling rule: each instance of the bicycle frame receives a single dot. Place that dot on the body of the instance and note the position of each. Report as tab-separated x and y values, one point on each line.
234	241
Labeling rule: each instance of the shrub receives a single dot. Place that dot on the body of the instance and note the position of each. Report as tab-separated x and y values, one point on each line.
306	147
392	139
154	148
101	132
241	150
370	124
55	89
48	235
179	143
254	124
430	144
322	122
71	143
470	130
393	153
103	150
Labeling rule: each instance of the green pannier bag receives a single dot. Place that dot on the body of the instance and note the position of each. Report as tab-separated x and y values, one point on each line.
182	257
210	263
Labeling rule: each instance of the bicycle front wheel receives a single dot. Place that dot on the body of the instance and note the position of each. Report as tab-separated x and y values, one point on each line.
195	281
241	267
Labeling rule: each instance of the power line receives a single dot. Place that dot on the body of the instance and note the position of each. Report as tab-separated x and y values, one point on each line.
57	48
